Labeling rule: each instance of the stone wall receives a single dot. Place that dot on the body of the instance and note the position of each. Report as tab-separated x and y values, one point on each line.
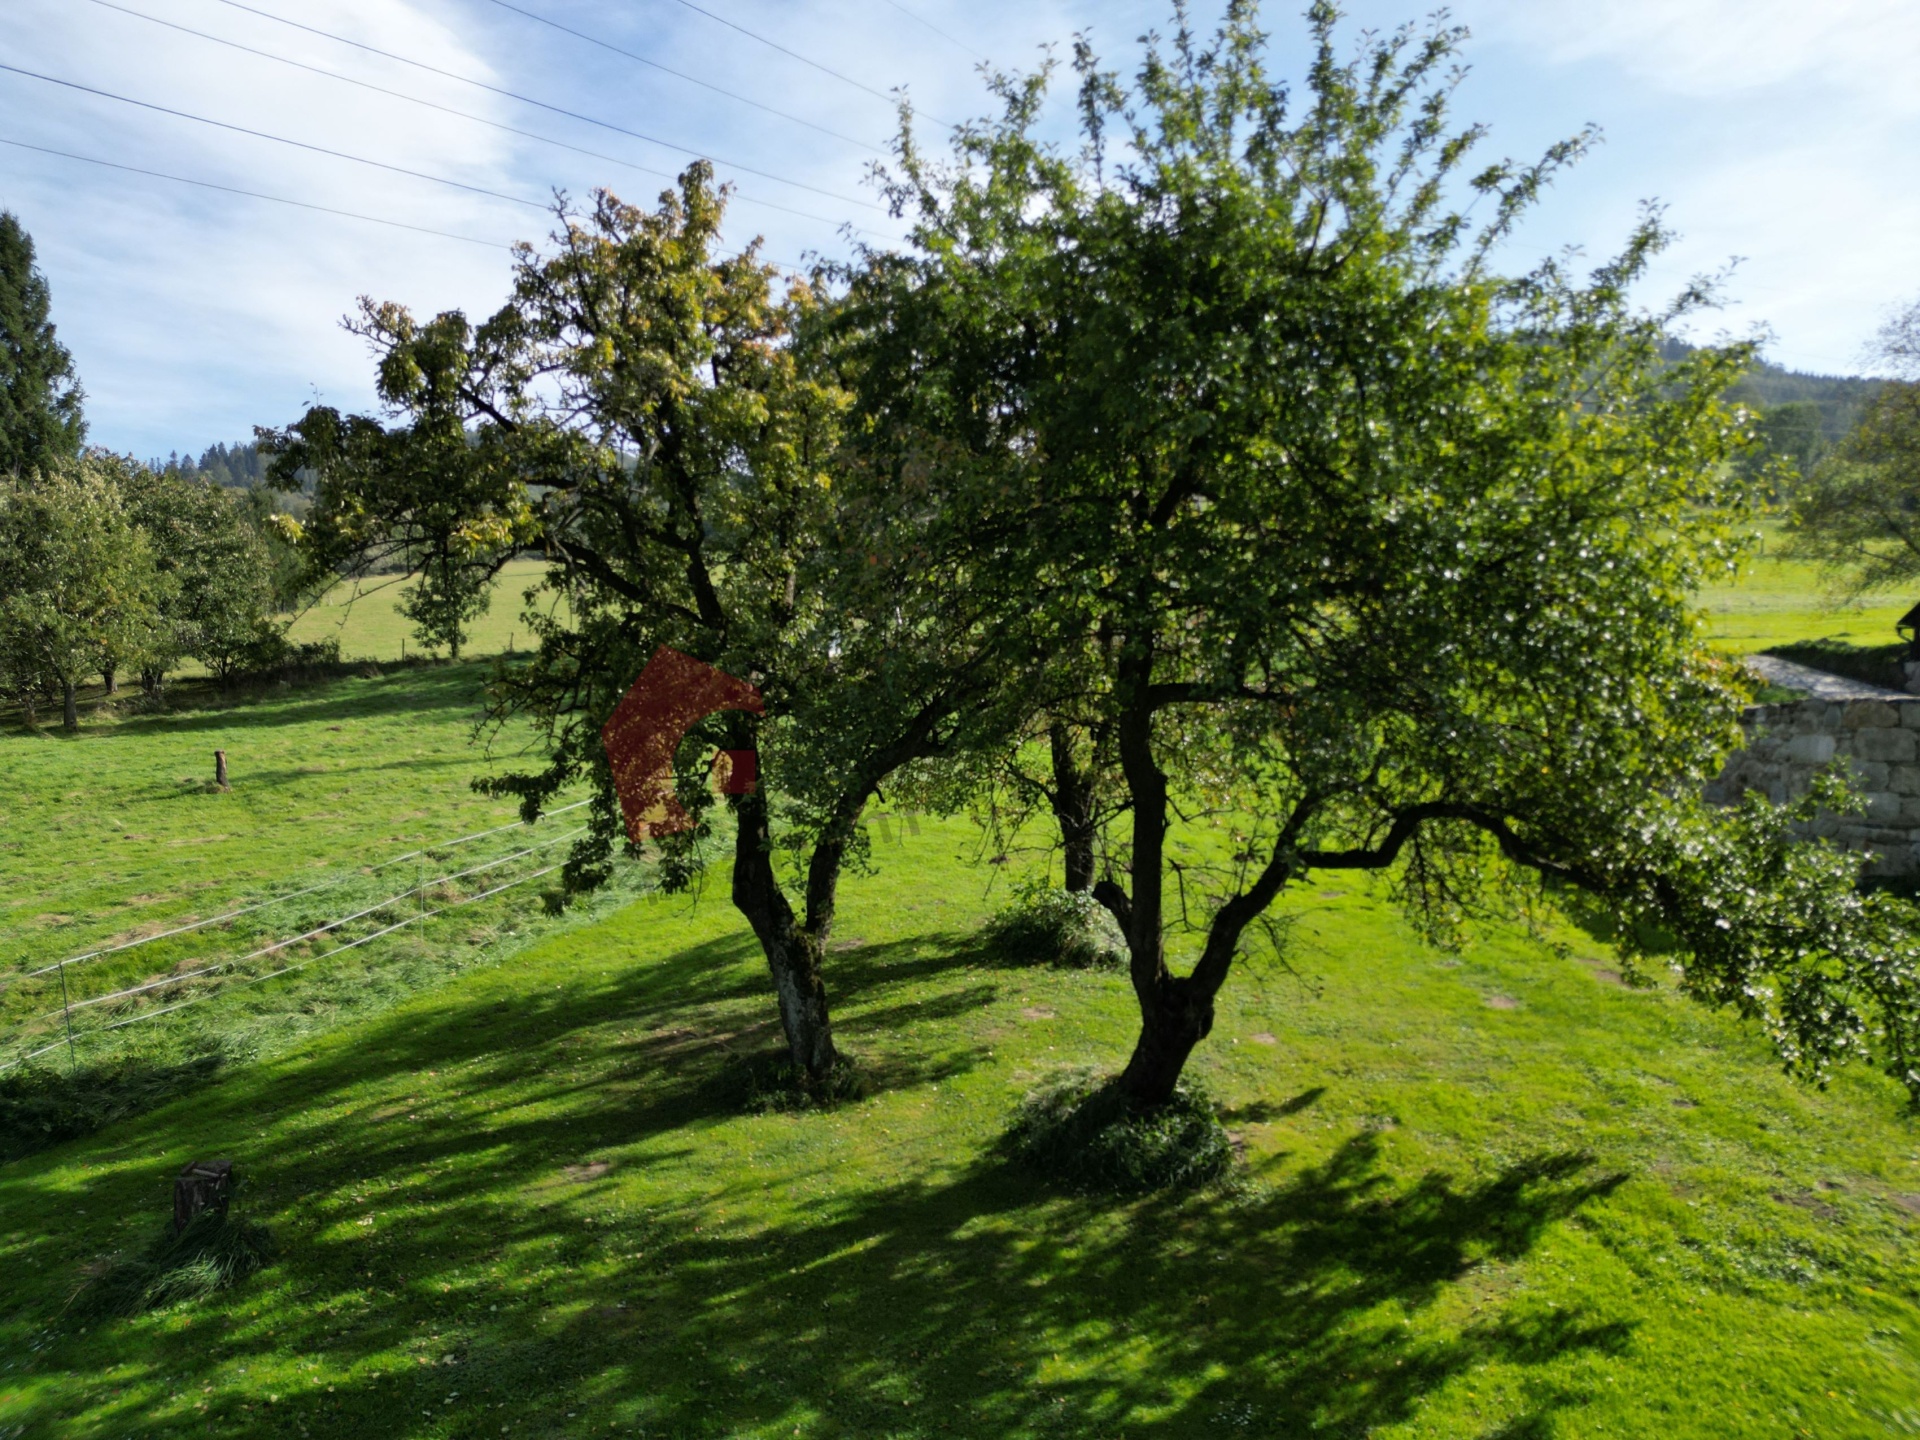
1880	741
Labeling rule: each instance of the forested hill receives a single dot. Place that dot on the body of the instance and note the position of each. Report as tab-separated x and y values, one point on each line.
1835	398
239	466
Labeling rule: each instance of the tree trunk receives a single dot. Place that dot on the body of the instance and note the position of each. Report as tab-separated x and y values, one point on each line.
1176	1017
793	951
29	711
110	678
154	682
69	706
1073	807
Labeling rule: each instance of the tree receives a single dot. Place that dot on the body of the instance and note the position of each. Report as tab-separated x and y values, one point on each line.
440	503
76	583
214	571
1859	514
645	401
1393	555
40	420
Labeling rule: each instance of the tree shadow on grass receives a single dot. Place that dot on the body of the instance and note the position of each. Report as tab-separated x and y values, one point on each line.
964	1301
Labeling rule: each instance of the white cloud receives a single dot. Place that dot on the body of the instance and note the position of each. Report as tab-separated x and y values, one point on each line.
1864	49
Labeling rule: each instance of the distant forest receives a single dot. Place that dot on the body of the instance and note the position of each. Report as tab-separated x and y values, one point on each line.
239	466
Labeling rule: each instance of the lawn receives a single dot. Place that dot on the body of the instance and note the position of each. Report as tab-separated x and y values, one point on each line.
1492	1194
361	615
519	1184
1776	600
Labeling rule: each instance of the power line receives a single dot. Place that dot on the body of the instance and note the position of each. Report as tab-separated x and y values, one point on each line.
277	139
315	960
255	194
682	75
555	109
794	54
446	109
918	20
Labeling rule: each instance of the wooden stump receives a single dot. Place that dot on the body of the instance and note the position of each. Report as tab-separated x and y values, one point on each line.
204	1185
220	768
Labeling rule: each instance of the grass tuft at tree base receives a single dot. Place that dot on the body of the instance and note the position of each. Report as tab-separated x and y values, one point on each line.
213	1253
1083	1132
1044	925
774	1084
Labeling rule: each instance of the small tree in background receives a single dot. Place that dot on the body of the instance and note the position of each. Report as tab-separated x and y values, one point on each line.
77	584
214	591
40	421
426	496
1859	514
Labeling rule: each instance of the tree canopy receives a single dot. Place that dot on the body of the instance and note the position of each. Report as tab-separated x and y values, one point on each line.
1383	559
1859	515
40	419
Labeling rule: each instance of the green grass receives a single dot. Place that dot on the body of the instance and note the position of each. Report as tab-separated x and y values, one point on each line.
517	1184
1777	601
361	615
1492	1195
118	833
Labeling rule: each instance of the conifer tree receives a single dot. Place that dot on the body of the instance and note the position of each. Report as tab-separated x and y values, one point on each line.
40	420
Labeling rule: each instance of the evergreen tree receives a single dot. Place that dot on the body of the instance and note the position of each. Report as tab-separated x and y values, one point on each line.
40	420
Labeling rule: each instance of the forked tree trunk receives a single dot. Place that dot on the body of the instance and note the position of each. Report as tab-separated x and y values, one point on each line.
1174	1017
69	706
1073	807
793	951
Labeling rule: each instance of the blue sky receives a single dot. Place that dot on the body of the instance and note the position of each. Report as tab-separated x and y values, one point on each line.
1777	131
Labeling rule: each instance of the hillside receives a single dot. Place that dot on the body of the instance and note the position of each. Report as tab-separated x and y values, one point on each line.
531	1192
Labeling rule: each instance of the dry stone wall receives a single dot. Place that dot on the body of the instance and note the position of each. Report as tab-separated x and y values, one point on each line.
1878	739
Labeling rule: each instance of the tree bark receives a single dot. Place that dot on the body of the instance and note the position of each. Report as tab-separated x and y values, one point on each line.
110	677
793	951
1073	807
1175	1017
69	706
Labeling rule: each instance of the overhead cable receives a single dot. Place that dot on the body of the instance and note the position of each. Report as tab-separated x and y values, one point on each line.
919	20
316	959
257	195
555	109
318	930
447	109
288	969
795	54
277	139
681	74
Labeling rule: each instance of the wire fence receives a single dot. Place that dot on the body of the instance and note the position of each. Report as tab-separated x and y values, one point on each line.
223	976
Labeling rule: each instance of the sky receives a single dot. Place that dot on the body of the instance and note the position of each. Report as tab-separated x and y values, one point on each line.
1780	135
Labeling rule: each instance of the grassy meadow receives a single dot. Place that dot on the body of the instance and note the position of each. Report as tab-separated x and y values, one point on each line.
1775	600
525	1190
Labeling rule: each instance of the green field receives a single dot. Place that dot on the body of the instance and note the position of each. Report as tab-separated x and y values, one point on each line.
1777	601
518	1187
361	616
